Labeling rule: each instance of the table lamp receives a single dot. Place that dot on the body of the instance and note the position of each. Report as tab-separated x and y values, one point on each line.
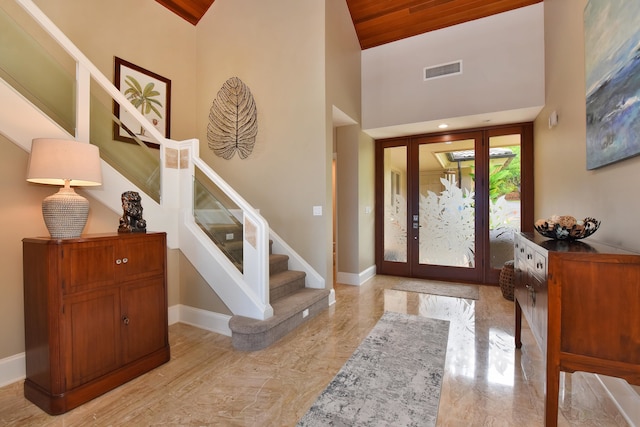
68	163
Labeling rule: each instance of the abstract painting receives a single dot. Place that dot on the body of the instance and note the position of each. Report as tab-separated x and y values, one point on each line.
612	65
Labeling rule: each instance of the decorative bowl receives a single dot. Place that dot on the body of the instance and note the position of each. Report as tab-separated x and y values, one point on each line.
566	227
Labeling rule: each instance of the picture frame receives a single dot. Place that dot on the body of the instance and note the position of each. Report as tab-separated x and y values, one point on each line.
612	37
150	93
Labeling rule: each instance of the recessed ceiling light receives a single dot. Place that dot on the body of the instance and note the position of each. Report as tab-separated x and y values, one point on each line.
443	126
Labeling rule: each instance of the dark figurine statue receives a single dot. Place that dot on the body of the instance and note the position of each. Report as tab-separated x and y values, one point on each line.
131	221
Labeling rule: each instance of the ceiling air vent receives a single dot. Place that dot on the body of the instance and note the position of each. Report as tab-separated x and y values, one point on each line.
443	70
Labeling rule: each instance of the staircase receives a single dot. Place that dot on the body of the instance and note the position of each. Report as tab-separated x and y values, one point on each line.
268	300
292	302
292	305
228	238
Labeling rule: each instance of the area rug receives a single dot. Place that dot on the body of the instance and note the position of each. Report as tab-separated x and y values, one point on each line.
439	288
392	379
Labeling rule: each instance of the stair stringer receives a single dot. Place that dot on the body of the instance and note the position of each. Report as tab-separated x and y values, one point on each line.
296	262
313	279
222	276
167	215
21	122
158	217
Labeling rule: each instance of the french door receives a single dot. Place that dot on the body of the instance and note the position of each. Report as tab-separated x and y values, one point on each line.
448	205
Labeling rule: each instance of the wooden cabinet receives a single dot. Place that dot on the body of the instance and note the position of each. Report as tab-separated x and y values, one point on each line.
530	290
582	302
95	315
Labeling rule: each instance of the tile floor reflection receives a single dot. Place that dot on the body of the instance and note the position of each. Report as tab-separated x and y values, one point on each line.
207	383
490	383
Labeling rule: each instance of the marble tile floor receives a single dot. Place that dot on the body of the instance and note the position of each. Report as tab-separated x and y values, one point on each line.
207	383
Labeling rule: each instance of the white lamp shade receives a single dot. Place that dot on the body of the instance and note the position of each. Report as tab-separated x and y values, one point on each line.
68	163
53	161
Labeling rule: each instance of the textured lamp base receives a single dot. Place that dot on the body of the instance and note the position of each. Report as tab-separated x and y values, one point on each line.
65	213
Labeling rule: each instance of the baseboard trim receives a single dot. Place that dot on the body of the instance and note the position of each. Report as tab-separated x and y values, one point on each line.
332	297
356	279
624	397
12	369
203	319
174	314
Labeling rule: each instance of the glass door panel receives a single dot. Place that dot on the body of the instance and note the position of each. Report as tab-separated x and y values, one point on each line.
447	235
504	196
448	205
395	204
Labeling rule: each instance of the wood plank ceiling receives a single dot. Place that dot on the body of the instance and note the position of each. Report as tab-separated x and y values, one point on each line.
378	22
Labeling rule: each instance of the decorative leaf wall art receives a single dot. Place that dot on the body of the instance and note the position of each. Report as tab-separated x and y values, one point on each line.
233	121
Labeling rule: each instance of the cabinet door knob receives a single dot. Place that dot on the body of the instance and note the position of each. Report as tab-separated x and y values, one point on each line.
118	261
125	320
125	260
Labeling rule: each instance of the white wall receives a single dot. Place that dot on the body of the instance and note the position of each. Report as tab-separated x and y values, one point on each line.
282	47
21	216
356	201
366	197
142	32
278	49
344	92
502	64
343	61
347	199
563	185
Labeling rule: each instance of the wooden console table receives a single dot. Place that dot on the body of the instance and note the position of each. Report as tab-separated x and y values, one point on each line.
582	302
95	315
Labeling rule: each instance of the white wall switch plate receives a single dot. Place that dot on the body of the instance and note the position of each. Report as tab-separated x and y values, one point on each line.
317	211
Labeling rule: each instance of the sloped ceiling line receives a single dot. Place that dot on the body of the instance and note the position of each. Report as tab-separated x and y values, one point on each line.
380	22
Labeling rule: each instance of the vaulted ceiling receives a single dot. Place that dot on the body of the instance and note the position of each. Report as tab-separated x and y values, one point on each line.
378	22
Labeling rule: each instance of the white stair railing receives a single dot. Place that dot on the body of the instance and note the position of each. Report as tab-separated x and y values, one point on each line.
249	295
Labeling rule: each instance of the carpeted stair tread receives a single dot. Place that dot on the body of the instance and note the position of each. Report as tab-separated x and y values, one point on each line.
283	309
298	301
292	304
285	282
225	227
221	232
278	263
233	245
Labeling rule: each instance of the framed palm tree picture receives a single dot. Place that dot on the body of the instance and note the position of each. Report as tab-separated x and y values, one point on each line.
150	94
